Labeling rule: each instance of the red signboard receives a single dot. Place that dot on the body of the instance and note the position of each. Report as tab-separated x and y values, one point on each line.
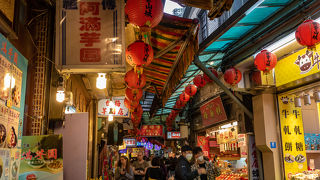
152	130
173	135
203	142
213	112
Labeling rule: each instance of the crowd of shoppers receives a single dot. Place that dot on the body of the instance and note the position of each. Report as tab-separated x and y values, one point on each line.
191	165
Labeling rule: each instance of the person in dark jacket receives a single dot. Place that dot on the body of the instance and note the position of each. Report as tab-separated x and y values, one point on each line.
155	172
183	168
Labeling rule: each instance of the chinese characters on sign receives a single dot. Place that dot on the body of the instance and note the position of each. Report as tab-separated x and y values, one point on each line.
50	154
152	130
113	107
90	35
292	136
213	112
130	142
254	167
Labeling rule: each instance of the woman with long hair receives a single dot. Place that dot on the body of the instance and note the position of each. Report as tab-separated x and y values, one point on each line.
124	170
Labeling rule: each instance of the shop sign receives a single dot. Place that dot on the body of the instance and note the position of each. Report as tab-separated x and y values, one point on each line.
41	156
89	35
242	144
227	135
298	65
203	142
254	167
173	135
130	142
116	108
151	130
123	151
213	112
292	134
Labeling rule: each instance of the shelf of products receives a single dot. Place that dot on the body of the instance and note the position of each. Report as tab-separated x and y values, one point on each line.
309	175
313	151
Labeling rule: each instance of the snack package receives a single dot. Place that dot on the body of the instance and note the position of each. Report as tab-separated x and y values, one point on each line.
313	138
307	141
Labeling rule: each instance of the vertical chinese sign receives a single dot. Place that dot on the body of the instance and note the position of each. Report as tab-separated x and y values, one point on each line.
90	35
114	106
293	145
254	164
41	157
213	112
13	75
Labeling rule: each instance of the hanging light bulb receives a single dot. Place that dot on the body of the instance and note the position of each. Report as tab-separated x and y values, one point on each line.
307	99
316	96
101	82
297	101
60	94
110	118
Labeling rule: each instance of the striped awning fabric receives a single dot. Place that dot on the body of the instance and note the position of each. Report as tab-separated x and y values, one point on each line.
170	29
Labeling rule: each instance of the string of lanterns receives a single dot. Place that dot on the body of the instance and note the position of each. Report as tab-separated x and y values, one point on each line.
139	54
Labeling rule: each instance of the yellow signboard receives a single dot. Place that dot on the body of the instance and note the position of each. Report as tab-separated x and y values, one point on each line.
298	65
293	145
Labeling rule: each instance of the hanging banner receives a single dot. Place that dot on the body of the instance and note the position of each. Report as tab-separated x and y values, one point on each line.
292	135
41	157
203	142
89	35
115	108
213	112
298	65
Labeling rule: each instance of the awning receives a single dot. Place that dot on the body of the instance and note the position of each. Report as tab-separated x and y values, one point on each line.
178	37
248	24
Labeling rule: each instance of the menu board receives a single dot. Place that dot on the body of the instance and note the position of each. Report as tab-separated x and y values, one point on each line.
12	128
4	163
292	136
15	164
5	67
41	157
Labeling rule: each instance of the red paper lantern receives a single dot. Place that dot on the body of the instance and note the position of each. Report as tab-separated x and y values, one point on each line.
232	76
184	97
191	90
199	81
131	105
139	54
265	61
134	94
138	110
144	13
207	77
307	33
134	80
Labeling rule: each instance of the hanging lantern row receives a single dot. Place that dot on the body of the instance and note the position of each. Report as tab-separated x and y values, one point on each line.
265	61
307	34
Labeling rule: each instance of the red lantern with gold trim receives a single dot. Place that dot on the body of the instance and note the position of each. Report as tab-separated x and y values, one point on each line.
308	33
146	13
179	104
265	61
184	97
232	76
134	80
199	81
207	77
139	54
134	94
191	90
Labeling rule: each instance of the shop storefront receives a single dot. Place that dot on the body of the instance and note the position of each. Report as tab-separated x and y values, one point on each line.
299	112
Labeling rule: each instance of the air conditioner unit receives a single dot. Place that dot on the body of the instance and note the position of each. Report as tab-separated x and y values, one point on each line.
258	80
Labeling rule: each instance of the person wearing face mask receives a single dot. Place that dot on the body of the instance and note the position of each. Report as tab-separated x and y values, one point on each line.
183	168
200	162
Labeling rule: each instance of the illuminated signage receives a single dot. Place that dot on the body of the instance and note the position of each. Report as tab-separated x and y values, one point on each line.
130	142
173	135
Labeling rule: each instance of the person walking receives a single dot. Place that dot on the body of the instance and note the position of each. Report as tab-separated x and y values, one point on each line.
124	170
140	167
201	162
155	172
183	168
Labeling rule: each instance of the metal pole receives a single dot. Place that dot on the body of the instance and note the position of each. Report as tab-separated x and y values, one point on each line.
201	66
